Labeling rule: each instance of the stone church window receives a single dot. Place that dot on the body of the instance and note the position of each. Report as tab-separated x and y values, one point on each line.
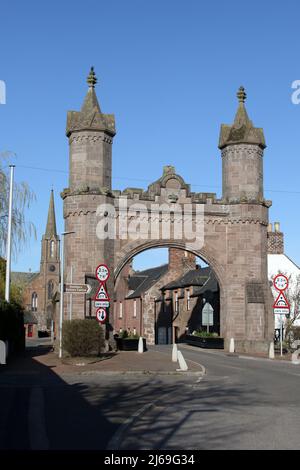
34	301
52	249
50	289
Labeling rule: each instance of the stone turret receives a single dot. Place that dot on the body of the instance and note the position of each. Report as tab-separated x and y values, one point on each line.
90	134
242	147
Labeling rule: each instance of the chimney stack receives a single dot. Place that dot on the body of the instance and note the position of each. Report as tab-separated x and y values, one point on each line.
275	240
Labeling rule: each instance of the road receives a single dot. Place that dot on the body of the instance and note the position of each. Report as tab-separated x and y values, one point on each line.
239	404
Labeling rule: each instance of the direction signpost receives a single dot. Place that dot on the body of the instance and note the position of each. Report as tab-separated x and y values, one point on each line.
281	305
77	288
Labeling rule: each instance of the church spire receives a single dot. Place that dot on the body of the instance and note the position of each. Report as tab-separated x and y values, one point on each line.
51	222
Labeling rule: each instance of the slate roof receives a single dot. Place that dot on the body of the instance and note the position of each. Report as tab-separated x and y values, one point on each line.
194	277
210	285
22	278
144	280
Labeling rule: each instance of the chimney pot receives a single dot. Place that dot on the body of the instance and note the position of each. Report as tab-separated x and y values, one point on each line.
276	227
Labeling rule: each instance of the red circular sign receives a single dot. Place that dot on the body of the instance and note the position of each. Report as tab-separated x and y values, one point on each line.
280	282
101	315
102	272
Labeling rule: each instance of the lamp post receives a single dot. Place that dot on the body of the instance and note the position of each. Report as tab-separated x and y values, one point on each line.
61	304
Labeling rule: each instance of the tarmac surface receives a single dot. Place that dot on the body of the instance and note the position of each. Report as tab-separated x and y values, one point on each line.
239	402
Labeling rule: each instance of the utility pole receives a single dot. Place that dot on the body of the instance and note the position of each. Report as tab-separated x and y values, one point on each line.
8	245
61	302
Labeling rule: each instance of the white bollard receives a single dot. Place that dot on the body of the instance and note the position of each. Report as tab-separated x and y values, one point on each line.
2	352
181	360
141	345
295	355
174	353
231	345
271	351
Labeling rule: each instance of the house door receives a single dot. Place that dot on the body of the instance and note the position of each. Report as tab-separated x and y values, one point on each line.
30	331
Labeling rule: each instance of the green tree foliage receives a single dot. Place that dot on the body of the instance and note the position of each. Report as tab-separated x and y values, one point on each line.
82	338
22	229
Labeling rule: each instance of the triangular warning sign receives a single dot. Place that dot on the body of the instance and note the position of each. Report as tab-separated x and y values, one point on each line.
101	293
281	301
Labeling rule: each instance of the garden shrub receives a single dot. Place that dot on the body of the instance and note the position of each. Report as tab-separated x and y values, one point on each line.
82	337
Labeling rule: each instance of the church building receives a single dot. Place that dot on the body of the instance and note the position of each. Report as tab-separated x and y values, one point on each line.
40	287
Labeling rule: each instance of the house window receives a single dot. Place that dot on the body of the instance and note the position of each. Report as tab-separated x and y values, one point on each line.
50	290
134	308
188	300
52	246
176	302
34	302
121	310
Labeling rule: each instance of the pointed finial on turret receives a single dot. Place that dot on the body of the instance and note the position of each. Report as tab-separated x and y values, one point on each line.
91	79
241	94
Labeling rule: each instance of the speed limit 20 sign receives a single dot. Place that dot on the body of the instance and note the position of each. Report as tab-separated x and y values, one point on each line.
101	315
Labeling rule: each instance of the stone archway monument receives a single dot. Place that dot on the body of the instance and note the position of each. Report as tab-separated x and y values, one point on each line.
229	233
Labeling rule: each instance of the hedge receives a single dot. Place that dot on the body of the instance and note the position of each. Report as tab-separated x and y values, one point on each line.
82	337
12	325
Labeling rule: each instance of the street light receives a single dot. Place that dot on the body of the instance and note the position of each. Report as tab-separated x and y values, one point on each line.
61	304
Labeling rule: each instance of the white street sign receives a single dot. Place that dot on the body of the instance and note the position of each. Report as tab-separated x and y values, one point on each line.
282	311
101	303
78	288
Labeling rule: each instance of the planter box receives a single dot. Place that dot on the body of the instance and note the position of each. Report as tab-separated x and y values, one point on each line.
129	344
209	342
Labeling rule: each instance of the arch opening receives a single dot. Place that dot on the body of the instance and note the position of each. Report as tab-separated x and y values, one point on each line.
165	302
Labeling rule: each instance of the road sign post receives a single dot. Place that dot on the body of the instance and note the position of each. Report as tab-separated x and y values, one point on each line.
101	299
281	305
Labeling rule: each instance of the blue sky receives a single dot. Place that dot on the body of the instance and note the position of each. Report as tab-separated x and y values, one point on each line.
169	71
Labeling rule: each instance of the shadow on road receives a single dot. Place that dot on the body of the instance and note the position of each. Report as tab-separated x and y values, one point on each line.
42	410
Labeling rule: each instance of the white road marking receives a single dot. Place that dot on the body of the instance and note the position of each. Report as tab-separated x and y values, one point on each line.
115	441
36	420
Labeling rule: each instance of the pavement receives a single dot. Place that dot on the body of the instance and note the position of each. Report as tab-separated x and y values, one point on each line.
39	353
